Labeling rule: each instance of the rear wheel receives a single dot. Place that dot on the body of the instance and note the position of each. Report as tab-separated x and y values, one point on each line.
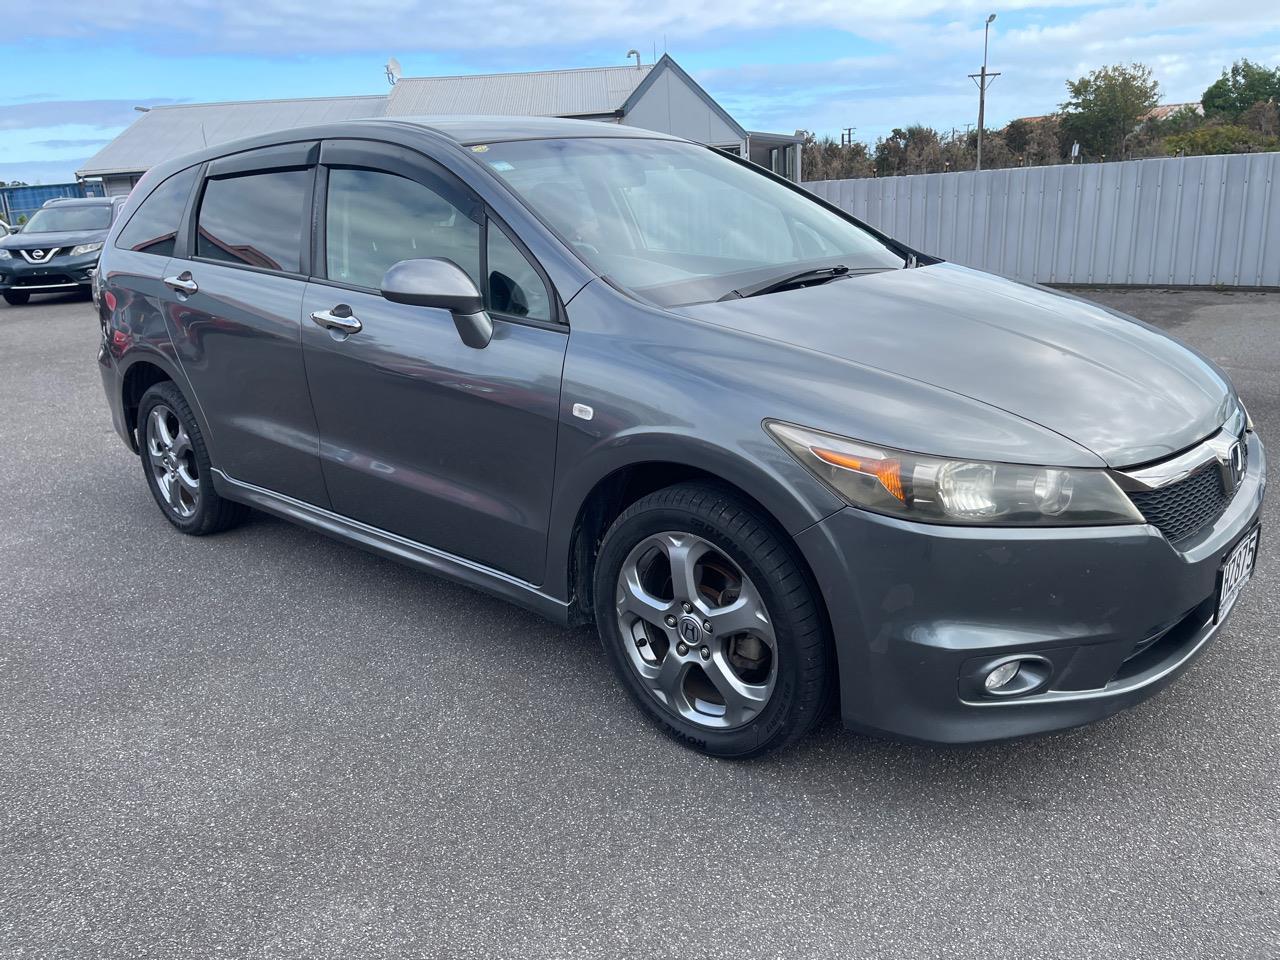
711	621
16	298
177	464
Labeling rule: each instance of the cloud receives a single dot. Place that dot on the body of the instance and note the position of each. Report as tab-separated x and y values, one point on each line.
907	60
55	113
41	171
300	26
920	73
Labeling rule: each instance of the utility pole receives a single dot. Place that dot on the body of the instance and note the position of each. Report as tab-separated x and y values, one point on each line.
983	79
846	137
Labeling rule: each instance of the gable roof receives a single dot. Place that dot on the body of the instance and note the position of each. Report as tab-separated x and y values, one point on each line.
581	92
469	131
167	132
171	131
665	62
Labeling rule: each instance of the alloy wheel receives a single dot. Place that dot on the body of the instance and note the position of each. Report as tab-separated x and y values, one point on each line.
173	461
696	631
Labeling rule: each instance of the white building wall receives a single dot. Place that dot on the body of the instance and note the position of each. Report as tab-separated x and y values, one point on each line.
118	186
672	106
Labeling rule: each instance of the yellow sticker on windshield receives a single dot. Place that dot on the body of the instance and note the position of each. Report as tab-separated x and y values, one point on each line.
480	148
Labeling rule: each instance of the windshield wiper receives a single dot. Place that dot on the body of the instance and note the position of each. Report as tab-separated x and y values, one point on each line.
803	278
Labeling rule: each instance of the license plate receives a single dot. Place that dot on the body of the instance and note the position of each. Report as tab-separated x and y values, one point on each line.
1236	571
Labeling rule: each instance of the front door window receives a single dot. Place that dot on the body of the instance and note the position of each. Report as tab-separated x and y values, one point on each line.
375	219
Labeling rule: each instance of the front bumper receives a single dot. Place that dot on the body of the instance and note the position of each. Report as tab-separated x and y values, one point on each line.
61	273
920	610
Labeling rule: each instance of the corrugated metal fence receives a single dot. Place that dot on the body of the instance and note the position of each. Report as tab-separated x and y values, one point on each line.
1175	221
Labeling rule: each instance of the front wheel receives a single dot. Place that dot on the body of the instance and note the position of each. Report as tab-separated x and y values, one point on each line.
711	621
16	298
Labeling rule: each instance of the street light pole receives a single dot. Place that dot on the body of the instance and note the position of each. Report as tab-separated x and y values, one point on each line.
983	80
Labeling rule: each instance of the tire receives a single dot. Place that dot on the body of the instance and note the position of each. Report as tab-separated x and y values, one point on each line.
772	680
176	464
16	298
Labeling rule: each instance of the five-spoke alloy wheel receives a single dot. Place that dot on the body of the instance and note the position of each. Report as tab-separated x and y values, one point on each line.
710	619
177	464
173	461
701	640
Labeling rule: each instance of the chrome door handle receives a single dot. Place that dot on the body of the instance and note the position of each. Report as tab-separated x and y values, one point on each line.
182	283
344	321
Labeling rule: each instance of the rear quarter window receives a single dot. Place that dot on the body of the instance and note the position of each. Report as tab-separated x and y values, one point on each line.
153	228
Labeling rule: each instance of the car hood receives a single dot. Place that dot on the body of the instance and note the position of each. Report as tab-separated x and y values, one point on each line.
1112	384
58	238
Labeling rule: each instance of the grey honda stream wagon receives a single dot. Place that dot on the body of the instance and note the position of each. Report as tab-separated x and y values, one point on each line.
781	461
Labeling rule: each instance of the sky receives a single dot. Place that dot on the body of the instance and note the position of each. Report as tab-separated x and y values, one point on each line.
75	72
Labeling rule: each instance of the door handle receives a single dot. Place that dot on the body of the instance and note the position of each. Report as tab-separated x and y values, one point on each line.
182	283
340	318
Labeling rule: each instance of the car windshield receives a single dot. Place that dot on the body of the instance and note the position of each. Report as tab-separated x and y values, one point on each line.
677	223
89	216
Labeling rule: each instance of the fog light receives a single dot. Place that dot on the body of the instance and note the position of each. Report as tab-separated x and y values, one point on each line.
1001	675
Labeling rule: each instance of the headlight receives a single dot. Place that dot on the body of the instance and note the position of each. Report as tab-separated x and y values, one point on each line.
85	248
5	254
934	490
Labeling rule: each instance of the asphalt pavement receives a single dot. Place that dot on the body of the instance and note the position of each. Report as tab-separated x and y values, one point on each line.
269	744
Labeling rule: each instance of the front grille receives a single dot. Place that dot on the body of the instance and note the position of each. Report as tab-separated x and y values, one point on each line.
38	255
1182	508
45	280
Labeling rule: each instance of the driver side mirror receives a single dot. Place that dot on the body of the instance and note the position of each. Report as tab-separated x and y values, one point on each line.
442	284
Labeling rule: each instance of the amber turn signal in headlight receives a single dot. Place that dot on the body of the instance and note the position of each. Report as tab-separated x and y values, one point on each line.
938	490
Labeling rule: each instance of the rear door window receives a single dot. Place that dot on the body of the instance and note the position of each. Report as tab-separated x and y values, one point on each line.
153	228
374	219
255	219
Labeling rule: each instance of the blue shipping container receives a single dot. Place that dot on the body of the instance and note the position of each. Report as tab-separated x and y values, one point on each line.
19	203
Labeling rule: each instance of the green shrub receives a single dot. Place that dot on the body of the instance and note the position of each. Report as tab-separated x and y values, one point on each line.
1218	139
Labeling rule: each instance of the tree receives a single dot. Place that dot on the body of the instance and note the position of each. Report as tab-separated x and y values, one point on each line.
1149	139
1017	135
891	153
1219	138
1239	88
916	149
1106	106
1044	145
825	159
1030	142
1263	117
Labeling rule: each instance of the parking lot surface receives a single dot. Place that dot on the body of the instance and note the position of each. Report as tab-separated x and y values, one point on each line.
269	744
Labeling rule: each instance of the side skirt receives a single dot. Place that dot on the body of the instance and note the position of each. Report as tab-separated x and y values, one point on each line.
396	547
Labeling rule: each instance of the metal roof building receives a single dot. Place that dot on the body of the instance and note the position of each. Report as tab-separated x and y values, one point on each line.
163	133
658	96
586	93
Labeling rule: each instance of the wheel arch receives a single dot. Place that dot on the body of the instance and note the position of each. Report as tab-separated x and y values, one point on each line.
576	535
139	375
